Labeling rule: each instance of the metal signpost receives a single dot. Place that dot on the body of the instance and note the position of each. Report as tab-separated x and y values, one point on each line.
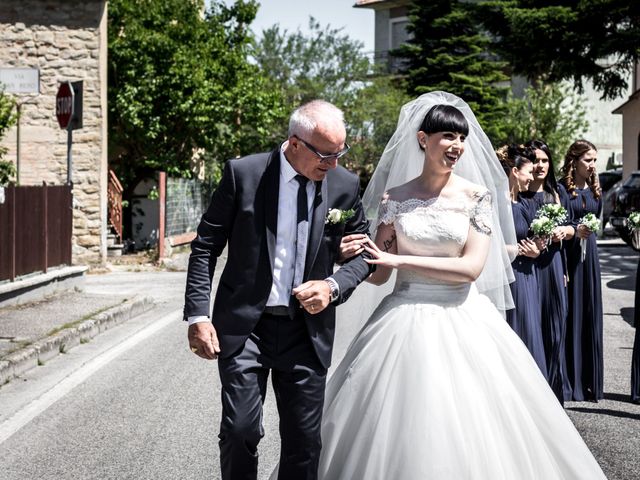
69	115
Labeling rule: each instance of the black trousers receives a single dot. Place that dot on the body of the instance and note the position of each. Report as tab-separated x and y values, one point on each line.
279	345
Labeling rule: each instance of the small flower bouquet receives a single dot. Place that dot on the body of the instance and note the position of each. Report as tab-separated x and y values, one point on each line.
548	217
633	223
336	216
554	211
592	223
542	226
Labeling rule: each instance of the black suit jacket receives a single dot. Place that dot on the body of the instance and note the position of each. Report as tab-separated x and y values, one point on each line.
243	213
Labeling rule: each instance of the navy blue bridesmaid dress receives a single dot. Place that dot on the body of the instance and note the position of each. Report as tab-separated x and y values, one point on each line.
635	358
584	344
551	271
525	318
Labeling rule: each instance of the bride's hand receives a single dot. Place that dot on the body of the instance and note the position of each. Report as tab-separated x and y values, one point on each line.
379	257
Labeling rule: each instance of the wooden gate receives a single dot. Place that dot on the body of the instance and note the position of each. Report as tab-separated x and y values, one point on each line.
36	224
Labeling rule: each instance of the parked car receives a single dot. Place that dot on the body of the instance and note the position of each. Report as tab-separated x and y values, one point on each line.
627	201
609	178
609	201
610	181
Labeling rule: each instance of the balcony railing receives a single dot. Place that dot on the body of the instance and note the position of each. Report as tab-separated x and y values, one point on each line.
114	204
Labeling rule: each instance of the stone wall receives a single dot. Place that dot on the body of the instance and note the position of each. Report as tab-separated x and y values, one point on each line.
65	40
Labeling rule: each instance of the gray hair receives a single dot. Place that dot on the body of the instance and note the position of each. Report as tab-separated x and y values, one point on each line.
305	119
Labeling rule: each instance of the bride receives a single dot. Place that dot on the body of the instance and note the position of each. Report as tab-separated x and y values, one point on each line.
436	385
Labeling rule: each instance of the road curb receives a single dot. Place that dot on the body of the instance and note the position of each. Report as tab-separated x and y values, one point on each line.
20	361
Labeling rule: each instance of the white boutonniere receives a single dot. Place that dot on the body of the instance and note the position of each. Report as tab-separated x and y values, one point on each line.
336	216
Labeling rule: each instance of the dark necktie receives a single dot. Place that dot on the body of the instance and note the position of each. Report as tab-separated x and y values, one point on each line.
302	230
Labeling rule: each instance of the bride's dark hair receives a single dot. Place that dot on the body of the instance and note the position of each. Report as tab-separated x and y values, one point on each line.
444	118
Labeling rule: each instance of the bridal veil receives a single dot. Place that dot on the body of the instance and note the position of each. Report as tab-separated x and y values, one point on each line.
403	160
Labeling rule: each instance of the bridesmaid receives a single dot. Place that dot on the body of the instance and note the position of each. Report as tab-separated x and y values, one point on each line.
583	343
525	320
551	271
635	358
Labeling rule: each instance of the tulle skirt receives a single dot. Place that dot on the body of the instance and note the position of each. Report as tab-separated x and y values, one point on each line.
436	385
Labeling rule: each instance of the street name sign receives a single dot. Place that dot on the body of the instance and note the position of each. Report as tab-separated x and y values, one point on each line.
20	80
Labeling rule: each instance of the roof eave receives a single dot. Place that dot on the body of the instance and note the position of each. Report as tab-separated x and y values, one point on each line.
634	96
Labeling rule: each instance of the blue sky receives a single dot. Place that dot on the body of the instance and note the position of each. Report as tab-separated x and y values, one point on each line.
291	14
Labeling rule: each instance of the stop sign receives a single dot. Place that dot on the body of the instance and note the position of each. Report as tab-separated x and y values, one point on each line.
64	104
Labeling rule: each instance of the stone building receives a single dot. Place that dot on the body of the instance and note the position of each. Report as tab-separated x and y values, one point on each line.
65	40
630	111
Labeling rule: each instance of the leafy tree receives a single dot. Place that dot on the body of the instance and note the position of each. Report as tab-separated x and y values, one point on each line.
7	120
449	51
180	82
7	171
551	112
371	120
575	40
324	64
7	116
328	64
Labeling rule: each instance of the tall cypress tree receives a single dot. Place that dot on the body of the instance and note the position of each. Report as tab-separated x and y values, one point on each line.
577	40
450	52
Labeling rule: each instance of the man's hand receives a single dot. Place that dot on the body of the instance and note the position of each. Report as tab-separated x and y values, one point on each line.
203	340
314	295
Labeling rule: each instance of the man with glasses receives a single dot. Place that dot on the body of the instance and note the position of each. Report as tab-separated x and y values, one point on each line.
274	310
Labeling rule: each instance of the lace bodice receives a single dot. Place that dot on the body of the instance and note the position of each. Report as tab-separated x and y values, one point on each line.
435	227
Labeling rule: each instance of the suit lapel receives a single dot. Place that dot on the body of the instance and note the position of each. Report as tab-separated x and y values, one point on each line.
272	191
320	208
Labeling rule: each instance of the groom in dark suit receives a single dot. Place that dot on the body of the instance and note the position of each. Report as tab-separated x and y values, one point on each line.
274	309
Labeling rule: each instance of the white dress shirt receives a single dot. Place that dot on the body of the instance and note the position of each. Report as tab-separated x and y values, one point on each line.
285	252
285	248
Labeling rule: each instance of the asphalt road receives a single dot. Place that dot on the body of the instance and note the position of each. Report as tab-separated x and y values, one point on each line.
136	404
611	428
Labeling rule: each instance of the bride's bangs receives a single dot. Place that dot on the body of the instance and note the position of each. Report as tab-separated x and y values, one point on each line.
444	118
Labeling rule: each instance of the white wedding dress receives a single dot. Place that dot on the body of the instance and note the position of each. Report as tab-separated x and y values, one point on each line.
436	385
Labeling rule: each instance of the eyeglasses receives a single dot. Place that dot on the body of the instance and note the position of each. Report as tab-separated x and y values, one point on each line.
324	157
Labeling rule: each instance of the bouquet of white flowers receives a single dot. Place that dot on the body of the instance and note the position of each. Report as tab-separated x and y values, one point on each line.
542	226
548	217
554	211
633	223
592	223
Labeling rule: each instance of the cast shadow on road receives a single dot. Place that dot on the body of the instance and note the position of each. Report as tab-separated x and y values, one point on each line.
608	411
617	397
625	283
628	314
